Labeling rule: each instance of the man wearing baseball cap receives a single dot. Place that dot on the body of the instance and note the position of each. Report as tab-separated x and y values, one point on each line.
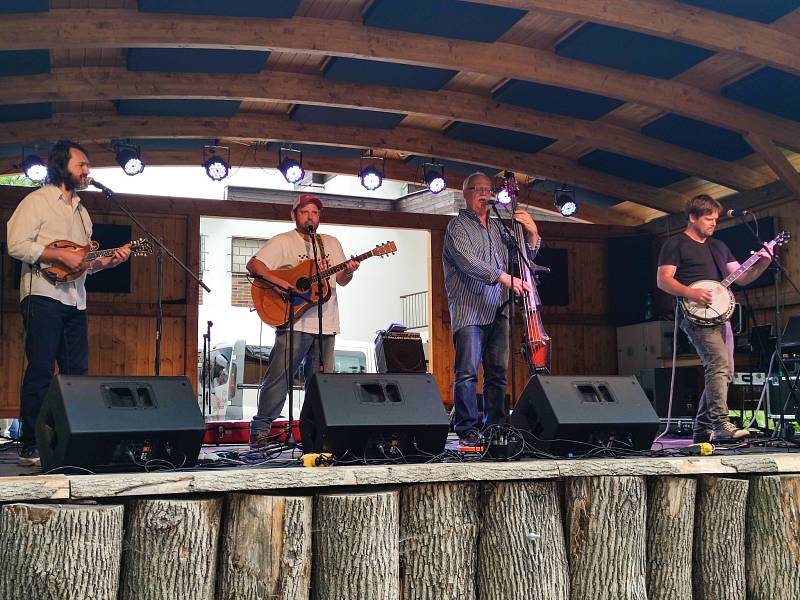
284	251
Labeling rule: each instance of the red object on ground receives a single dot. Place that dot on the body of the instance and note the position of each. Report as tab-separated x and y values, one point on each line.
238	432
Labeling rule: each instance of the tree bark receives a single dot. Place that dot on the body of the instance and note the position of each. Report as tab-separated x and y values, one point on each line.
773	538
171	549
60	552
670	532
438	538
606	519
521	552
356	545
719	539
265	548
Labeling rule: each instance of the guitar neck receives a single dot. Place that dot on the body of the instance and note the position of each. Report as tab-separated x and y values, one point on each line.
100	254
741	270
336	268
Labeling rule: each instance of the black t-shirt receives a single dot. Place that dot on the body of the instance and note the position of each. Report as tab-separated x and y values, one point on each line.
694	260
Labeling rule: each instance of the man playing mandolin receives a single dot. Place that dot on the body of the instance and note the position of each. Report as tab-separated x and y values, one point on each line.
281	252
691	256
54	316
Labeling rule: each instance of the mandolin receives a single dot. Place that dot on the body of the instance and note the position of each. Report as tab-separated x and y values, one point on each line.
55	273
272	304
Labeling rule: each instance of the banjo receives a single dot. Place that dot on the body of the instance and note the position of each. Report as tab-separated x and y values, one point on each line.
723	302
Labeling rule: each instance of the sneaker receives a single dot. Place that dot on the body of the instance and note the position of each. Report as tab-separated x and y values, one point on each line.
701	437
470	439
728	432
29	457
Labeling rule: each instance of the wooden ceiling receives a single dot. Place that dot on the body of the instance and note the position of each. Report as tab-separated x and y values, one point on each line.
88	43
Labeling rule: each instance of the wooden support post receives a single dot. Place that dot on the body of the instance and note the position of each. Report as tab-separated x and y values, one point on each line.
438	537
773	538
719	539
171	549
606	519
521	552
265	548
60	552
670	531
356	539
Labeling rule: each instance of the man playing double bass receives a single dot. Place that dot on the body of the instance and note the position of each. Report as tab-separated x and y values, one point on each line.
476	273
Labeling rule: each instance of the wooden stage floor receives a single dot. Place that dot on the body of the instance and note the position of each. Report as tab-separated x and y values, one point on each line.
283	472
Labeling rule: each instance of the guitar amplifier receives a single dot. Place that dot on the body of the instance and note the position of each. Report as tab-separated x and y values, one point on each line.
400	352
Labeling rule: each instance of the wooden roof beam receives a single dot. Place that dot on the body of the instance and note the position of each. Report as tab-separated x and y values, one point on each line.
84	84
678	21
776	160
126	28
400	139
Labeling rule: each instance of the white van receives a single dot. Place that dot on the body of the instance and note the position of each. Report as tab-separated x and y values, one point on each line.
237	369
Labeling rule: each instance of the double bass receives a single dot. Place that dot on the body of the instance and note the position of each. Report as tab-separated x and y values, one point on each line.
536	344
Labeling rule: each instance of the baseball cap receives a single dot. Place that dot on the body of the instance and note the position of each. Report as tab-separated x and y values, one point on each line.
304	199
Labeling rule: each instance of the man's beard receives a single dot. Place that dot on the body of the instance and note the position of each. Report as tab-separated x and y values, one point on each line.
74	184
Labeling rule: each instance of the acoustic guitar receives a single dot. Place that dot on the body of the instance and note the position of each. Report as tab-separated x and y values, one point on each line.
272	303
55	273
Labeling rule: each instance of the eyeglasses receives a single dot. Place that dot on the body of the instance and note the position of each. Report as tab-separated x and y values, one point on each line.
480	190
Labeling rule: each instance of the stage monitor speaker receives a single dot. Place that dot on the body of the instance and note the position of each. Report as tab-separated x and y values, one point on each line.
400	353
390	415
689	385
567	415
119	423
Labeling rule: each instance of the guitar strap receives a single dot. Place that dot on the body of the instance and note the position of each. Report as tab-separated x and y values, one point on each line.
321	246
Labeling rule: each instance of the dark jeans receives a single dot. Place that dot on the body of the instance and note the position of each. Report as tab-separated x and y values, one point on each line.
714	345
54	333
272	396
476	344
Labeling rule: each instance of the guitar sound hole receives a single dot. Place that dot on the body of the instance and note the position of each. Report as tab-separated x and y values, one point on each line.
303	284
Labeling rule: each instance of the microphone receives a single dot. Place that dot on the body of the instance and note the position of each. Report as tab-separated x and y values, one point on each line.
310	227
736	213
97	184
489	202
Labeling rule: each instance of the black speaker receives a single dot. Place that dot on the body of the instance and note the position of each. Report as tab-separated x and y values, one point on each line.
400	353
119	423
569	415
391	415
689	385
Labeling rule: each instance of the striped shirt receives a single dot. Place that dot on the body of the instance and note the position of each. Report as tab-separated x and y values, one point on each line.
474	257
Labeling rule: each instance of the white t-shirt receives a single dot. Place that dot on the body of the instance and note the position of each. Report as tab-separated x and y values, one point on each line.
286	250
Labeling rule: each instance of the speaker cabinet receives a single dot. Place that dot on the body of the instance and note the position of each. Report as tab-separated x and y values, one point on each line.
400	353
689	385
566	415
391	415
119	423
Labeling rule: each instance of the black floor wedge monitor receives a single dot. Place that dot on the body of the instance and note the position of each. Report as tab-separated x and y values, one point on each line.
119	424
569	415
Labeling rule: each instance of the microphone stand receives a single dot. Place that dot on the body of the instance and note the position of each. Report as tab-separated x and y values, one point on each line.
161	251
207	384
311	233
781	432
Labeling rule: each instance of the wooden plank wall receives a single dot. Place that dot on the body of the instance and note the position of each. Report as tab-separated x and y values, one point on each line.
122	325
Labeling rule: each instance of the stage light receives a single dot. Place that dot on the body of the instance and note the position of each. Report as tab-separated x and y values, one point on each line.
217	168
433	177
129	158
290	164
34	169
503	195
565	201
371	176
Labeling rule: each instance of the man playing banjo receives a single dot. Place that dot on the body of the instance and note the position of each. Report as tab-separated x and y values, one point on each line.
685	259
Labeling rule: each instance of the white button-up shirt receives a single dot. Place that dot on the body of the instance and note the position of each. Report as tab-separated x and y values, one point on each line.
43	217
